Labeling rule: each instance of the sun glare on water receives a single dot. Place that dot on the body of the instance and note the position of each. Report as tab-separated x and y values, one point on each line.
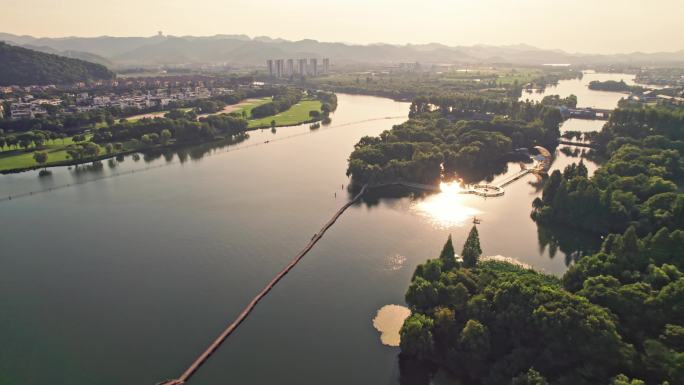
447	208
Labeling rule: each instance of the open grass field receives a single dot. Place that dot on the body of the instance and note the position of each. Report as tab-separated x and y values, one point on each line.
248	105
19	158
297	114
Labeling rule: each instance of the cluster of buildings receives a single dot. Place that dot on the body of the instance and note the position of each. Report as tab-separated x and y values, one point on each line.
31	108
190	80
28	107
654	97
144	100
409	67
281	68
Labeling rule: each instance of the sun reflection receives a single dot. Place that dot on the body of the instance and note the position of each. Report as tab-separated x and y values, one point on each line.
447	208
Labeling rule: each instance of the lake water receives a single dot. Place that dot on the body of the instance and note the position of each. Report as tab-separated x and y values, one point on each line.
580	88
125	280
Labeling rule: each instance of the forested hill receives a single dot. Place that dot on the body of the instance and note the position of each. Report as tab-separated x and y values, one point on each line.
21	66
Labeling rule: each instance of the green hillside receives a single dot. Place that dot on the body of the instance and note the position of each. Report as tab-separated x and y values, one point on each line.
21	66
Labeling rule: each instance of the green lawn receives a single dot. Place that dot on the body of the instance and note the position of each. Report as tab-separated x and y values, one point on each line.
297	114
248	106
13	159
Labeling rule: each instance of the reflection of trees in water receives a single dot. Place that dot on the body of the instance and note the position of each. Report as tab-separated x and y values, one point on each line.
168	156
538	182
581	152
573	243
470	176
572	152
373	196
194	152
476	175
415	372
83	171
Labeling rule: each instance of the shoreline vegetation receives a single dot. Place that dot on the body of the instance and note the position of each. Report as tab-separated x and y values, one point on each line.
484	81
469	136
615	86
614	317
40	149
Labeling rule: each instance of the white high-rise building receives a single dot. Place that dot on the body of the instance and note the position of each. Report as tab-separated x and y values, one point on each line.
302	66
271	69
290	67
313	67
279	68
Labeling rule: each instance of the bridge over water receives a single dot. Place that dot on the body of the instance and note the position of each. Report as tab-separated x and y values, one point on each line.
586	113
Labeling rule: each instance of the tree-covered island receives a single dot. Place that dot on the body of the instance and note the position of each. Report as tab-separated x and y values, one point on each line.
615	86
614	318
467	135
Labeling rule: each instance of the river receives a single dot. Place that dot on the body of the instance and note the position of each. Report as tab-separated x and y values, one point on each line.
125	280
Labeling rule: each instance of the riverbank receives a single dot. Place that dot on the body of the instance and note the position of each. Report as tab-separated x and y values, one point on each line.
204	220
16	161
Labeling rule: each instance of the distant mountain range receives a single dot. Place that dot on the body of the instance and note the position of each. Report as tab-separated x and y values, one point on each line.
241	50
22	66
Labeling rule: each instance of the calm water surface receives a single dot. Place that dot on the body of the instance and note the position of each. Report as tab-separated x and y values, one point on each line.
585	96
125	280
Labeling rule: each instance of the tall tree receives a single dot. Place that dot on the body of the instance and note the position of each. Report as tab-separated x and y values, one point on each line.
471	249
40	157
448	255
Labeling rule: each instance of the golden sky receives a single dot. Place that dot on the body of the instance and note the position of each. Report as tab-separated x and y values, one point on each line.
592	26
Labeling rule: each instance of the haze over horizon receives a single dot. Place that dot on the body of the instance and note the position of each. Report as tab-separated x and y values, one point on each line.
607	27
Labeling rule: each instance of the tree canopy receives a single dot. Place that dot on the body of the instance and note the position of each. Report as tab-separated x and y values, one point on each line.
21	66
462	135
614	314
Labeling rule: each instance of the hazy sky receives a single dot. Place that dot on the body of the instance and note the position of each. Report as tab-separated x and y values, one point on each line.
574	25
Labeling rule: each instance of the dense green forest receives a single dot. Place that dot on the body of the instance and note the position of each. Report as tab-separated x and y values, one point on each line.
614	86
614	318
182	126
639	185
465	135
21	66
